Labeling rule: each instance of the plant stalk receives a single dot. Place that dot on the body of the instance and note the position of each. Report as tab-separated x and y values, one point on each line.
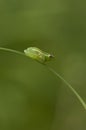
71	88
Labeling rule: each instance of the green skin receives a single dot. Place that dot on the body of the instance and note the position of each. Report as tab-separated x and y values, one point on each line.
38	55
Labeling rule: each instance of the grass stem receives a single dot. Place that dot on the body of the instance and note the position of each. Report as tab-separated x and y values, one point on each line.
71	88
55	73
11	50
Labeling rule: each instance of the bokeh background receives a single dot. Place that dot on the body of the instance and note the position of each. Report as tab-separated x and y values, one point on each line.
31	97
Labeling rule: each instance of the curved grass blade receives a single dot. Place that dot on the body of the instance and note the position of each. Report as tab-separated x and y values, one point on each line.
71	88
55	73
11	50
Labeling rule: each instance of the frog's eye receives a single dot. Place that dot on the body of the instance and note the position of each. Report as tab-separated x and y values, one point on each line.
37	54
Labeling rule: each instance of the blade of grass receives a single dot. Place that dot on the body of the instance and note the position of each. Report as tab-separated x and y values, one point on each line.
11	50
55	73
71	88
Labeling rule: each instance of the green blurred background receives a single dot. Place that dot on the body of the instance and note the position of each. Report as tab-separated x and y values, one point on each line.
31	97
